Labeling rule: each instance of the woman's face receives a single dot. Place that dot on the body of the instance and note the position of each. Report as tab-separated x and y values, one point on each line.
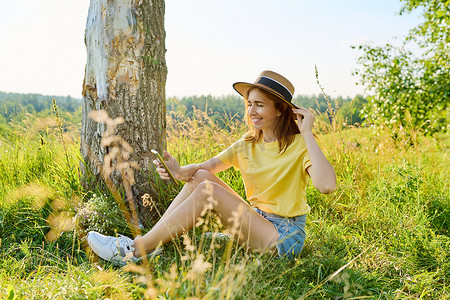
261	110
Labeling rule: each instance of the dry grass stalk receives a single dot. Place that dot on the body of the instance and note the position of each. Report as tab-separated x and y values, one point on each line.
118	159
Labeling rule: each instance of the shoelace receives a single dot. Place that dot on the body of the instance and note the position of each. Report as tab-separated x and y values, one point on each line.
122	244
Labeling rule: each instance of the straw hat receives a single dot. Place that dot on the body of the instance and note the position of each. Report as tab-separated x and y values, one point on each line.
272	82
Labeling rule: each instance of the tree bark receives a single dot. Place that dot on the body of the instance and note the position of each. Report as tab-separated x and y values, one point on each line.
125	75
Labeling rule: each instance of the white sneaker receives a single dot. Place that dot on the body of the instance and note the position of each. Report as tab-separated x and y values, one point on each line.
117	250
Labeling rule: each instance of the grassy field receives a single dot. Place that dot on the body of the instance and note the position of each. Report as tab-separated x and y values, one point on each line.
383	234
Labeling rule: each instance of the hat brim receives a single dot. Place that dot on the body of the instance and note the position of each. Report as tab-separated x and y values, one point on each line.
243	87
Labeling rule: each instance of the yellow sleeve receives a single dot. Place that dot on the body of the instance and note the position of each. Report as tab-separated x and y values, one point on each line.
306	161
228	156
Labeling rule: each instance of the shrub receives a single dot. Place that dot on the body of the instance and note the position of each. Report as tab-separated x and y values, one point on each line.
101	214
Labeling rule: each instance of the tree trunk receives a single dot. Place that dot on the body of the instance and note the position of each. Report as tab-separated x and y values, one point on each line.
125	76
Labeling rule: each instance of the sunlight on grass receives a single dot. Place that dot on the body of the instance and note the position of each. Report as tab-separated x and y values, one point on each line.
387	222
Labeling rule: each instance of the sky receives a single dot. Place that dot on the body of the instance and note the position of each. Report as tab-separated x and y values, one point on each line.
210	43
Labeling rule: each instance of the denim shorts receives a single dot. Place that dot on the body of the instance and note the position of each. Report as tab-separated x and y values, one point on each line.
291	230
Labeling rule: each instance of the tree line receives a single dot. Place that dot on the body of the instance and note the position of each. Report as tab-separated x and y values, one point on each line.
16	107
231	106
15	103
13	106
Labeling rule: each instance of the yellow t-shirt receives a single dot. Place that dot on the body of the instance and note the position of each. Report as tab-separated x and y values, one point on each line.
274	182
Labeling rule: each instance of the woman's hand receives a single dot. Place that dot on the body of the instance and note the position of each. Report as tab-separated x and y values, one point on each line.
179	173
171	164
321	171
305	119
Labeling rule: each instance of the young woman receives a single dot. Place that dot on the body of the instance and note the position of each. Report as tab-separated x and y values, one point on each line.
274	157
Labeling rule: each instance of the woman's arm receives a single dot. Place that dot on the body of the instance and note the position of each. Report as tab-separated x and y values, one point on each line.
321	171
213	165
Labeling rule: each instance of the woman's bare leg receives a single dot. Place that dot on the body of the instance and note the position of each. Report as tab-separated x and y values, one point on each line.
198	177
253	229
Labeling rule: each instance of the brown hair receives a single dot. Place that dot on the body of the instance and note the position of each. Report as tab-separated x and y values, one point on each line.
285	129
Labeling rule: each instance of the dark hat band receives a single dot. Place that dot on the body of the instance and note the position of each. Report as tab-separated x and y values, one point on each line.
276	86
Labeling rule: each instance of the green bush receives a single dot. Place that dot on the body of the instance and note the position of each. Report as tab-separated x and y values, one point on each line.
411	90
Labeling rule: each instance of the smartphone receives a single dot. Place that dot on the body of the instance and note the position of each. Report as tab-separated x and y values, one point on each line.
161	160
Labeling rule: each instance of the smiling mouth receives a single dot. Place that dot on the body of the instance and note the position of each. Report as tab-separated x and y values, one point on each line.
256	120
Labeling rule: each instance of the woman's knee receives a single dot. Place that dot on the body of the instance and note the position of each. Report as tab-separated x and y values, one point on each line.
205	192
200	176
206	188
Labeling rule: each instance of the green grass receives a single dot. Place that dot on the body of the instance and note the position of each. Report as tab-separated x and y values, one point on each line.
390	215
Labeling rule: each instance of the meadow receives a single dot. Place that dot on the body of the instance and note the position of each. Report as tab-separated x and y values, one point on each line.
383	234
